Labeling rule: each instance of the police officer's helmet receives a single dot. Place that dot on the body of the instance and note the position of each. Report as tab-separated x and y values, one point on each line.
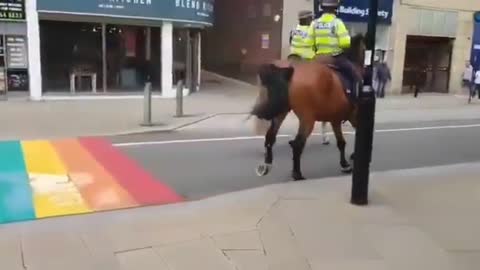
305	14
330	3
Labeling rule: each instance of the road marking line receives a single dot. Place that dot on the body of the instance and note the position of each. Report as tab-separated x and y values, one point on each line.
242	138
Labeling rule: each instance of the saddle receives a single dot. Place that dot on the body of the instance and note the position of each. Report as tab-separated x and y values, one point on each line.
346	81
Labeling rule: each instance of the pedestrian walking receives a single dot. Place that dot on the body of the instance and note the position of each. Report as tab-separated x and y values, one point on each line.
467	75
477	83
383	76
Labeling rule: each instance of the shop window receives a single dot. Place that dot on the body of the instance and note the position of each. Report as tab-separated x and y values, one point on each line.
251	11
13	63
79	52
267	10
127	57
70	48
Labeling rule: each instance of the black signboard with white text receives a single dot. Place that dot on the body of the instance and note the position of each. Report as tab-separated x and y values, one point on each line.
16	49
12	10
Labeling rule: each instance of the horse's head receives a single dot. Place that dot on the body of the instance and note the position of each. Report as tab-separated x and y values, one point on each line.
356	52
275	74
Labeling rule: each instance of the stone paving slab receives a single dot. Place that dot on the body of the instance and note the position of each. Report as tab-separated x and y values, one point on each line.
303	225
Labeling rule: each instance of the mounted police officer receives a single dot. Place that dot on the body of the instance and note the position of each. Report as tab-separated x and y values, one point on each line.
301	46
330	37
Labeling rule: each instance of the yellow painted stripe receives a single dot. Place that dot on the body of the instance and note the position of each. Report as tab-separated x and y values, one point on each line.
54	194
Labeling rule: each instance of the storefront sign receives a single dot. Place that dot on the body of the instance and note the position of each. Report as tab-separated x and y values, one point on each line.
476	16
12	10
190	11
358	10
16	52
265	41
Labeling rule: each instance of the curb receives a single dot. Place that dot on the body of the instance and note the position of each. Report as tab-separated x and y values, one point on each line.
168	129
214	74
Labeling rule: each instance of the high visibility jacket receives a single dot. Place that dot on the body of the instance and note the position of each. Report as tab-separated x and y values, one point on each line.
301	44
329	34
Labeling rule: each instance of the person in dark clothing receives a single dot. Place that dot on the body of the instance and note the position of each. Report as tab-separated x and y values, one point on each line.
383	77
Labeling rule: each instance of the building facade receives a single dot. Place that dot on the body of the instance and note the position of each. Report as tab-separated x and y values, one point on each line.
100	46
13	46
246	34
353	12
424	42
433	41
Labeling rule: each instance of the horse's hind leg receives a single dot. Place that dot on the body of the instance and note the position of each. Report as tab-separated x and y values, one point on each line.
341	143
298	145
270	139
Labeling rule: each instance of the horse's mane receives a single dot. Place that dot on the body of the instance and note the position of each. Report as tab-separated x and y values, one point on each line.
356	40
353	53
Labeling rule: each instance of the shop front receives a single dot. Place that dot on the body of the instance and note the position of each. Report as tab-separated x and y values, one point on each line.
109	46
13	47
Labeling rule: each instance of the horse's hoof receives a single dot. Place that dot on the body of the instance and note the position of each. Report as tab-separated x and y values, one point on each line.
326	142
352	157
298	176
263	169
346	169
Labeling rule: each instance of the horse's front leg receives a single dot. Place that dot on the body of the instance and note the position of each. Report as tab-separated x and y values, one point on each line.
341	143
270	139
353	122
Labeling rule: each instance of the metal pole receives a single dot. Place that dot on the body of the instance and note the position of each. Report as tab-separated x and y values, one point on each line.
104	58
366	121
147	103
188	64
179	98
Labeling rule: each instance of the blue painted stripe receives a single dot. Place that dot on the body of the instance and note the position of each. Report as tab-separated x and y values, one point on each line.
16	202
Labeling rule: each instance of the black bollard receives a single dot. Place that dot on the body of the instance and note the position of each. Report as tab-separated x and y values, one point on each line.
366	121
179	99
147	95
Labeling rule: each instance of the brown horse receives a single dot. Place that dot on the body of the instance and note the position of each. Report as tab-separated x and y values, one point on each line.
314	92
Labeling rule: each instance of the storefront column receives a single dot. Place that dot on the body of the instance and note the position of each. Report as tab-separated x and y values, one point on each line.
104	58
167	60
148	44
199	59
34	59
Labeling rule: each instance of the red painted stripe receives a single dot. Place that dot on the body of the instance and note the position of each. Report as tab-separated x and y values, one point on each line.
141	185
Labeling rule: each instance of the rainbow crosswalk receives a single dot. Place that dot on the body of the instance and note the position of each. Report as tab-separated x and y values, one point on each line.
40	179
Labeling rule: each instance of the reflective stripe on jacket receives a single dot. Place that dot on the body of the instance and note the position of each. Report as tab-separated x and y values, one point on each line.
330	35
301	44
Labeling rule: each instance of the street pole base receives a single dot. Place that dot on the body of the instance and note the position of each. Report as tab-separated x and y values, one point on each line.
359	201
146	124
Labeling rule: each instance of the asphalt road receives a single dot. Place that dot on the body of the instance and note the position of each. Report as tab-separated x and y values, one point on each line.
198	163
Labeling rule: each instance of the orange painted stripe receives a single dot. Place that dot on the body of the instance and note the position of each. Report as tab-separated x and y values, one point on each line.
98	188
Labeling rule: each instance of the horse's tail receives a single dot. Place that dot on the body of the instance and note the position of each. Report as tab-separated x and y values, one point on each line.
272	99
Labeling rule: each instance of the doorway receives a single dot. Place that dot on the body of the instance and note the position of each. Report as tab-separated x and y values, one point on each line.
427	64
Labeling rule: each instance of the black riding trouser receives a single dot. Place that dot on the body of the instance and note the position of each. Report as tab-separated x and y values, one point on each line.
348	69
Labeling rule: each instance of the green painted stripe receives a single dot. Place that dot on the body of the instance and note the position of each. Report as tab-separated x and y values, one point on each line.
15	193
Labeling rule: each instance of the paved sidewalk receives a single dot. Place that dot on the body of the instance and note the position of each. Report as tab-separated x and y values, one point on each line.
21	119
418	219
